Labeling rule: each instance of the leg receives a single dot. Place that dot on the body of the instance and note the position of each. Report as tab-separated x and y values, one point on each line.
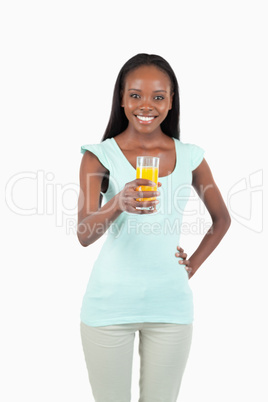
108	353
164	350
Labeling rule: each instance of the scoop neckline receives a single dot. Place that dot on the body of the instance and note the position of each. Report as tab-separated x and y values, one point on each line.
163	177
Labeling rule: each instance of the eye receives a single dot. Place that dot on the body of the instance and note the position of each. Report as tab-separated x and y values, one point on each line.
134	95
159	97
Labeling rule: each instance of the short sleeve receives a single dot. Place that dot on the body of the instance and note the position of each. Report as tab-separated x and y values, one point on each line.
197	155
97	150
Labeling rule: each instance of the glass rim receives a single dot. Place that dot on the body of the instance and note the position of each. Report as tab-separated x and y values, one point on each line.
148	156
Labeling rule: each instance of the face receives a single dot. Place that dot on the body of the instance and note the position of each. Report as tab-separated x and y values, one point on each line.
146	98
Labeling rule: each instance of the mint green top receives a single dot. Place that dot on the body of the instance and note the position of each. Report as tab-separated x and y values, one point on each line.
136	277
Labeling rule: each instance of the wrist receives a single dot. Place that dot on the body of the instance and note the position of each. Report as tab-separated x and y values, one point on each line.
194	264
118	208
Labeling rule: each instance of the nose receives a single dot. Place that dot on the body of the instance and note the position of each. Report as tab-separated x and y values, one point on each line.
146	105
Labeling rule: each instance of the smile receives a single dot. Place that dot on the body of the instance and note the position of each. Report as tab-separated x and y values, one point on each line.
144	119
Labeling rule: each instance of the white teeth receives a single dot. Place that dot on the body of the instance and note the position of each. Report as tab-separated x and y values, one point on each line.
145	118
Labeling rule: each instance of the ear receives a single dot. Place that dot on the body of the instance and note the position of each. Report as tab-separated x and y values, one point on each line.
171	101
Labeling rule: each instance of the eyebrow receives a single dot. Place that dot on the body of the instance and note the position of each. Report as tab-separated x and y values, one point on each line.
139	90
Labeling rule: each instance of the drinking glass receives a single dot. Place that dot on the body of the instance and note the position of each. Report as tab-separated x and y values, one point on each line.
147	167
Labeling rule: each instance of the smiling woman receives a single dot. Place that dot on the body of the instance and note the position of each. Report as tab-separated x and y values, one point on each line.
118	121
136	283
141	100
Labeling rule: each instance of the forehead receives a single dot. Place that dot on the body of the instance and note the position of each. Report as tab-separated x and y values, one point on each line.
150	76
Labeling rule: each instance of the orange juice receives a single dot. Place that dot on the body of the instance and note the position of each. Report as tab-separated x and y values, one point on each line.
150	173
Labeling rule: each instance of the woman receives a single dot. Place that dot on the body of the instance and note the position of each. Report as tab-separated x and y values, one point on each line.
136	282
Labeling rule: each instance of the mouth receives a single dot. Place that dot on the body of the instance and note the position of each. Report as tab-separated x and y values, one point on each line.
145	119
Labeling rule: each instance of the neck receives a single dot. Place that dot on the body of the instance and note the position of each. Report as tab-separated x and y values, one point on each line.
144	140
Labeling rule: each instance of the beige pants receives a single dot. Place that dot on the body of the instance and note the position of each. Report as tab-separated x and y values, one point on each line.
163	350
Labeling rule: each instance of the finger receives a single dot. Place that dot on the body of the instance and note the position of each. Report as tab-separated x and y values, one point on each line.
184	262
159	184
146	194
182	255
180	249
146	203
145	182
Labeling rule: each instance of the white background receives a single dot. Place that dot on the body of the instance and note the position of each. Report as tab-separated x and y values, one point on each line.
60	60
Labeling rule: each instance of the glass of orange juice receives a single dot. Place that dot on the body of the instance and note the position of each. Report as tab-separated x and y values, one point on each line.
147	168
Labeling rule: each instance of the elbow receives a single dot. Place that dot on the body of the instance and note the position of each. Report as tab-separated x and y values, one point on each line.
83	244
227	223
85	241
224	221
81	235
227	219
81	241
81	238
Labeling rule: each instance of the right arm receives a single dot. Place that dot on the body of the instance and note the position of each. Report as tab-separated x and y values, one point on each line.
94	221
89	217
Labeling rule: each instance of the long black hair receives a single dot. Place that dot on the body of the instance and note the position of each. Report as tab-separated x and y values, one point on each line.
118	121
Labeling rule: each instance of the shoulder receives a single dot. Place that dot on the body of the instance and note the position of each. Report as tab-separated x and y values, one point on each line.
94	157
96	148
188	145
91	163
192	152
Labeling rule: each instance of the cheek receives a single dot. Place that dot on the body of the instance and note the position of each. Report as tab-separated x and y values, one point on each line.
130	104
164	107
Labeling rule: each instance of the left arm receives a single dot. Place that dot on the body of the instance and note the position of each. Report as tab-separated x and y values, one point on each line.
209	193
